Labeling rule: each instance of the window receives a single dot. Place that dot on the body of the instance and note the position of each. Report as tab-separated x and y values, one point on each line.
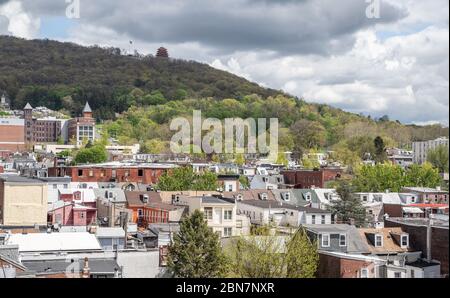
397	274
342	240
55	186
227	232
413	274
325	240
378	240
365	198
140	172
308	197
208	213
323	219
404	241
66	186
80	173
228	215
140	213
364	273
313	219
82	215
91	173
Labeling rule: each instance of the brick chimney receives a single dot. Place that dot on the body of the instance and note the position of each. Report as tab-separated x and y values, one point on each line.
86	270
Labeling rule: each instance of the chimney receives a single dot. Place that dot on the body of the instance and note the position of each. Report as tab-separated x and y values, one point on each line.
86	269
430	223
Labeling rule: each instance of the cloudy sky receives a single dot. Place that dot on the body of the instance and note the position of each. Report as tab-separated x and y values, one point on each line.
373	57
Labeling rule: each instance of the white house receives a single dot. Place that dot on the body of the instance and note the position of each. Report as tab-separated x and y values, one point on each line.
264	212
220	214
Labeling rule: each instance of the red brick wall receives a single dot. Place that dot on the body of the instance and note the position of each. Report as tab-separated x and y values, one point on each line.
304	179
150	176
393	210
334	267
418	240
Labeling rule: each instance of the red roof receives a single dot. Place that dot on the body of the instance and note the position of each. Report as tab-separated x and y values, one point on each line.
429	205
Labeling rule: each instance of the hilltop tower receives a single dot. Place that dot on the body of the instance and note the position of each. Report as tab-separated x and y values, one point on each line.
162	53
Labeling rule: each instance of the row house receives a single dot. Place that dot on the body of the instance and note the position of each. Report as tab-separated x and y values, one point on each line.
267	182
69	213
311	178
220	214
145	173
429	195
346	251
148	208
23	201
263	212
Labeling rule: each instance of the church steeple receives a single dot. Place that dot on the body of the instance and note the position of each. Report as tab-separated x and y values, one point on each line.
87	111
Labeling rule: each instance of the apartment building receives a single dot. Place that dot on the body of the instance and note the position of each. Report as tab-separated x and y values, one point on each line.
23	201
421	149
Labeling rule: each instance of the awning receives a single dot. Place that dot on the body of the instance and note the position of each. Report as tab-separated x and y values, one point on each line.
412	210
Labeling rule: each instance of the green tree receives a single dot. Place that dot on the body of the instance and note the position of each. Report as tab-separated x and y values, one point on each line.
196	251
349	206
382	177
92	155
380	150
270	256
438	157
183	179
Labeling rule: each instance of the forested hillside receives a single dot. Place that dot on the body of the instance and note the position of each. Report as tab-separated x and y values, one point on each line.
148	92
65	75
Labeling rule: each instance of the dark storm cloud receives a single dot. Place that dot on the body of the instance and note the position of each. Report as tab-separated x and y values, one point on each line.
284	26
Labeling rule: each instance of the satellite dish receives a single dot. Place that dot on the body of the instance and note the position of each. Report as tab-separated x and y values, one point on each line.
105	219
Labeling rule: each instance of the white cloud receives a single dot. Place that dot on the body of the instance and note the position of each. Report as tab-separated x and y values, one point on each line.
324	51
21	23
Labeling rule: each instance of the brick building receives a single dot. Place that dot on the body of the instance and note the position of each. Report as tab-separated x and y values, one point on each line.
12	135
148	208
145	173
302	179
40	130
334	265
82	128
417	229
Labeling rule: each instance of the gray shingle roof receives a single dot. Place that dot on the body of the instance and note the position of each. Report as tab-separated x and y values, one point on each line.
87	108
60	266
355	243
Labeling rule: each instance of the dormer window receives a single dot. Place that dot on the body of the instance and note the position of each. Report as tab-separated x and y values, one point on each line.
404	241
378	240
308	197
342	240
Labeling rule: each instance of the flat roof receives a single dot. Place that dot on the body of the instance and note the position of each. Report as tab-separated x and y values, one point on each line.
44	242
119	165
20	179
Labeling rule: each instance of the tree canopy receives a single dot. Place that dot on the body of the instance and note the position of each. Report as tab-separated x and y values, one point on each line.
196	251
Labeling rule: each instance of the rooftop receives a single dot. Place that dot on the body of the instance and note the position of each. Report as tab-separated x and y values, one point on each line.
44	242
438	223
20	179
96	266
281	205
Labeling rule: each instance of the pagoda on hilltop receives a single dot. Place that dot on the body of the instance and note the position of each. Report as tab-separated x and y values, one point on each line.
162	53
